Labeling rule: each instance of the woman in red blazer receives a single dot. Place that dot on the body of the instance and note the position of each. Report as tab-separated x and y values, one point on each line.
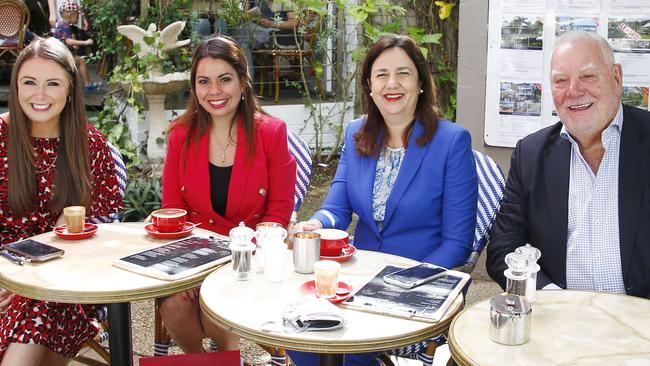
227	161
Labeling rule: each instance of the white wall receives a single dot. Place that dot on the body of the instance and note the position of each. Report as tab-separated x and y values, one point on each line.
297	117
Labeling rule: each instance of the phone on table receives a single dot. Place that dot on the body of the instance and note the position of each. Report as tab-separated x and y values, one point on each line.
415	276
34	250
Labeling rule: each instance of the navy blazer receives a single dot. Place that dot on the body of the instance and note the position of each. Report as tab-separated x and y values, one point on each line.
535	206
431	210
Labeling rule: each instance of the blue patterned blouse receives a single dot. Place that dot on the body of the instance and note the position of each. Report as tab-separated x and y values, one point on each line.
390	160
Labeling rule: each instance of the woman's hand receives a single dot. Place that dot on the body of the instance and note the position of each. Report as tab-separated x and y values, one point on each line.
309	225
5	300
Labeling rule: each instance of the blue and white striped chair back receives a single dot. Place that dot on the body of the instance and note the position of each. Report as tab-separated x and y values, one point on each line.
120	174
491	186
301	152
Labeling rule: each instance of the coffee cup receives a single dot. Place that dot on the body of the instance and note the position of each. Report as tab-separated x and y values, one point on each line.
75	218
169	220
332	242
326	275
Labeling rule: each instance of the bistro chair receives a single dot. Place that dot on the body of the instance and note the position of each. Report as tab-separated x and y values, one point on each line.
300	151
491	186
102	336
225	358
14	17
301	52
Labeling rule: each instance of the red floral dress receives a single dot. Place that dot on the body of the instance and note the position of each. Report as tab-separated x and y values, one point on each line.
61	327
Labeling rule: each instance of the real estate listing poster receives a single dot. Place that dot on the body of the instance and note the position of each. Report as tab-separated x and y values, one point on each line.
520	42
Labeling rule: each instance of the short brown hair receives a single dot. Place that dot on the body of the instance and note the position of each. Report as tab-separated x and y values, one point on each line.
426	111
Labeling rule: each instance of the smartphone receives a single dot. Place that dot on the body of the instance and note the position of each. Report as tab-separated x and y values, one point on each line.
415	276
34	250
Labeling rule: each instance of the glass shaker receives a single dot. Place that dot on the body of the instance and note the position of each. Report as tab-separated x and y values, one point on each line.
516	274
242	247
532	254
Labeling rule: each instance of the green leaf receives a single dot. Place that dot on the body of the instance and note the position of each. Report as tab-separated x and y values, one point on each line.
431	38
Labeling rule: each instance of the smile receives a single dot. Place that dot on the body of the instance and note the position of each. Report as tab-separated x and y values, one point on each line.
393	97
580	107
216	104
41	107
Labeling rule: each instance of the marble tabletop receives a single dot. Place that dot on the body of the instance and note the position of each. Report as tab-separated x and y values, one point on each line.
242	307
568	328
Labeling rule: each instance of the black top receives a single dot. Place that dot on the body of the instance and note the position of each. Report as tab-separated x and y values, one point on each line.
219	183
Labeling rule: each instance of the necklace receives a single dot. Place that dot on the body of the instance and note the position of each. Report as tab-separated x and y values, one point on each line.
48	167
223	148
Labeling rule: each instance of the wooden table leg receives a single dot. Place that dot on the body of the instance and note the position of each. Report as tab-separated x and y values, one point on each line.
119	334
331	359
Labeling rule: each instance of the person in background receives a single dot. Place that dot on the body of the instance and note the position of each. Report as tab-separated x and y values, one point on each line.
579	190
227	161
273	17
55	15
409	175
65	31
52	158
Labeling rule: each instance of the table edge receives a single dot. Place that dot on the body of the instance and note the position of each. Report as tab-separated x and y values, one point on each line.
333	346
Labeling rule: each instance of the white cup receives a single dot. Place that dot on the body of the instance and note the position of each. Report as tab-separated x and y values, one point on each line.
327	274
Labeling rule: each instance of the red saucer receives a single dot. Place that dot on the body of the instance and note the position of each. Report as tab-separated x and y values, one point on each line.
349	249
309	288
62	232
187	230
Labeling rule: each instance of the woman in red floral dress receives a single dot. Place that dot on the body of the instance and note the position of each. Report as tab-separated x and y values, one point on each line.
50	158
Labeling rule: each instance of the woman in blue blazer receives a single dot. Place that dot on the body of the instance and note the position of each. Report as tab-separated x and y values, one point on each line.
408	175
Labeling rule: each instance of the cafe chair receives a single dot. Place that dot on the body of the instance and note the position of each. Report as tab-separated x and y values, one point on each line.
491	186
301	53
14	17
301	152
225	358
120	173
102	336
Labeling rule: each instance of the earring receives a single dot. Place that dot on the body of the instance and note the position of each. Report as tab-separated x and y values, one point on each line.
421	91
371	94
242	97
69	98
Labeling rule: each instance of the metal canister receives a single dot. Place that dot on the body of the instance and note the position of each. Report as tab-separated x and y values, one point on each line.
510	319
306	251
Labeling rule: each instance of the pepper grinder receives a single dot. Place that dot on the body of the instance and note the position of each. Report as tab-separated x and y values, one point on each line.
532	254
242	248
516	274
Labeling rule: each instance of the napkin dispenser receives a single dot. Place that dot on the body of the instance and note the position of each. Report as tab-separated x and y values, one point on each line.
510	319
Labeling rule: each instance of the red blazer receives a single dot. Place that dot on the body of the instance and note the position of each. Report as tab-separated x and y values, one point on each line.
260	189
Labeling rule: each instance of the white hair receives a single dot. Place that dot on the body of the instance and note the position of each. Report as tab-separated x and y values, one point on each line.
587	37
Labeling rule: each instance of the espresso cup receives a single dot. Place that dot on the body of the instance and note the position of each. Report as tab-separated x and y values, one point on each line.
332	242
327	276
75	218
169	220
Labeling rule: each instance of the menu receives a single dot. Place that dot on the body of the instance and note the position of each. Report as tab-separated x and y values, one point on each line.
178	259
426	302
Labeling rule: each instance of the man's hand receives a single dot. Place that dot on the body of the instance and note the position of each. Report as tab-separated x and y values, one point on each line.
268	23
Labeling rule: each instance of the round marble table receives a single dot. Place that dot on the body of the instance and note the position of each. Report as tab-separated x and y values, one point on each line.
85	275
568	328
241	307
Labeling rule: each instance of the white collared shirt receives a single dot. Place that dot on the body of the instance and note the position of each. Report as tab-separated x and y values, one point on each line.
593	242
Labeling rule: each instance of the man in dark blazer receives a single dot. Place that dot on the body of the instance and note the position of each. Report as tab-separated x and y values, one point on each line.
580	190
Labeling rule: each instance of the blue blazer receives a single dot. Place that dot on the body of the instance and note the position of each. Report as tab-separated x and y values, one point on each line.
431	210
